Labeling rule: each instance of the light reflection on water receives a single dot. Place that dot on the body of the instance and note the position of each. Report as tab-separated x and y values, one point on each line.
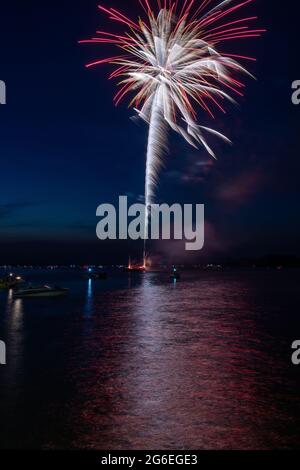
89	298
14	325
142	362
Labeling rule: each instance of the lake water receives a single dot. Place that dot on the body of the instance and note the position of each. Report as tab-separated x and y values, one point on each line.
140	362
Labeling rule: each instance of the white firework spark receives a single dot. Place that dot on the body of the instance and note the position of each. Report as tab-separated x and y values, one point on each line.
171	62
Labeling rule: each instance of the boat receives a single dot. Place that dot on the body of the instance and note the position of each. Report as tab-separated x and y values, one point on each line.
102	276
40	291
10	281
90	273
175	274
134	268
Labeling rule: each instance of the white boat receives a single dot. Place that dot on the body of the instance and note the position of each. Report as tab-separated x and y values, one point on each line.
40	291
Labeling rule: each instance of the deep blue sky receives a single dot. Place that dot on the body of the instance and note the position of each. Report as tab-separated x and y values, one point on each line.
65	148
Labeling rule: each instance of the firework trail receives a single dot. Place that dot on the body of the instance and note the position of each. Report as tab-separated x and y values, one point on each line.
172	61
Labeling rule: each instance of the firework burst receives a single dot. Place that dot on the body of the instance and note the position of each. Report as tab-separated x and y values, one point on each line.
172	64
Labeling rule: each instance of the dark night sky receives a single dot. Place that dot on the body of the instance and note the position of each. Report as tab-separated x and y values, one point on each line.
65	148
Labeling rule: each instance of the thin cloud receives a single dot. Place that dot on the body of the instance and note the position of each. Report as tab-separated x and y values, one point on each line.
10	209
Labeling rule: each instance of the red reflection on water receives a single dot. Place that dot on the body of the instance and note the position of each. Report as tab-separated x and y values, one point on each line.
180	368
